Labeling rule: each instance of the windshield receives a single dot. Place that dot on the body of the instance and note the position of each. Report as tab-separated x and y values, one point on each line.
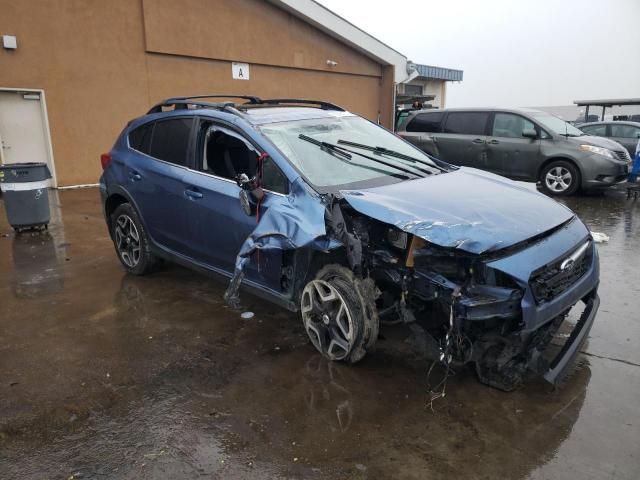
556	124
326	169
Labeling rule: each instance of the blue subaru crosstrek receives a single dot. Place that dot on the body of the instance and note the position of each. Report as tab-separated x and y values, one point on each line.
326	213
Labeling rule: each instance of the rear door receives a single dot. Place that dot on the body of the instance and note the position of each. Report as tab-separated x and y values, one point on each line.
463	140
155	179
509	153
626	135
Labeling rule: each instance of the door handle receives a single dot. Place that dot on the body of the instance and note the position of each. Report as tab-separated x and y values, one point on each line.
493	142
193	194
134	176
478	140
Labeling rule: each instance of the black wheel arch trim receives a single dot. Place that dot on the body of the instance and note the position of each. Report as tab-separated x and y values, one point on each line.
119	190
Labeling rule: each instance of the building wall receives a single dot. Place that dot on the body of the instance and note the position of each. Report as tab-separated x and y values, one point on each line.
102	63
430	87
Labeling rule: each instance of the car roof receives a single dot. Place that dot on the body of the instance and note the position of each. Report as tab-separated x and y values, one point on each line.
480	109
252	109
264	115
611	122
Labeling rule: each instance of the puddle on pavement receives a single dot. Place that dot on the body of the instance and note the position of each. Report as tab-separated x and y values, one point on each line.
111	376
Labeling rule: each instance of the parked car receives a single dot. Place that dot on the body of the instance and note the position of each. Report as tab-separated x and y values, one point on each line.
625	133
522	144
328	214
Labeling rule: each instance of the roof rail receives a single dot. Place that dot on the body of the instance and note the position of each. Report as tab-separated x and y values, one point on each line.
321	104
252	98
184	105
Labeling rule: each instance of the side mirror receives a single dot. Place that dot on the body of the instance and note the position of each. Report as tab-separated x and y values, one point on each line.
250	191
529	133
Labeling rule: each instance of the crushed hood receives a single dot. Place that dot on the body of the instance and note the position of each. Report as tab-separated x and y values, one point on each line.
467	209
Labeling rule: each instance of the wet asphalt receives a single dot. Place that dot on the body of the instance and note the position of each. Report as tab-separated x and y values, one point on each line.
105	375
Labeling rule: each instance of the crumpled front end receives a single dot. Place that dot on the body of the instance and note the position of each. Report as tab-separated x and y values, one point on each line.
486	286
499	311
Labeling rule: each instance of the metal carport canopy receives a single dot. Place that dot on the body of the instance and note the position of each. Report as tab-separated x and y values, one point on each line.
604	104
608	102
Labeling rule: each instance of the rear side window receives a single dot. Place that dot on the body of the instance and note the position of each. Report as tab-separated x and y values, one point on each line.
170	140
625	131
597	130
140	138
426	122
469	123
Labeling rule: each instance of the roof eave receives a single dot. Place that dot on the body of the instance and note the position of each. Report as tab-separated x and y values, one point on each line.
344	31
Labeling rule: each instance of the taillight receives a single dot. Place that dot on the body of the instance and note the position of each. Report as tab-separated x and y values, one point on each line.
105	160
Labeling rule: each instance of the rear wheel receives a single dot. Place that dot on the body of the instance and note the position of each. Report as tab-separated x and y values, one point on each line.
560	178
337	314
130	241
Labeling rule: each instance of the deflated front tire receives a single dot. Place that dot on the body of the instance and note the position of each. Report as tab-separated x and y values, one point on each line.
338	313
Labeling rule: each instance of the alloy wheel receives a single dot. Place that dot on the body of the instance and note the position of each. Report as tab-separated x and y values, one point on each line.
327	319
558	179
127	241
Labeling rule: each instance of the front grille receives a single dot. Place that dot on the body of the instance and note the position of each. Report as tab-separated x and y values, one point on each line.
622	155
551	280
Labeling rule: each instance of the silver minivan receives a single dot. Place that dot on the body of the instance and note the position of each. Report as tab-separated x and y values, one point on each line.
522	144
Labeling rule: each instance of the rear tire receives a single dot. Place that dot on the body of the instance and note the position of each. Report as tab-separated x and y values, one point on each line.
131	242
560	178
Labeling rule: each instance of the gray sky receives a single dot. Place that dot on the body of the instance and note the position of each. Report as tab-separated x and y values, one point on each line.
513	53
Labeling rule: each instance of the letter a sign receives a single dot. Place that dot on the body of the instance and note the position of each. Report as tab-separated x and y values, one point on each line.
240	71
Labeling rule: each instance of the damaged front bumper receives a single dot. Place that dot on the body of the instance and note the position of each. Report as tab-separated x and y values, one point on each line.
564	360
510	328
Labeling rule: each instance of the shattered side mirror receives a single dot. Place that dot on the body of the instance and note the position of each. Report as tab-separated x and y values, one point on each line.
245	203
250	193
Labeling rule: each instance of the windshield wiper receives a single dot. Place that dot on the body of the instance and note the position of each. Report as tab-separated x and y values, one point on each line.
326	146
391	153
346	153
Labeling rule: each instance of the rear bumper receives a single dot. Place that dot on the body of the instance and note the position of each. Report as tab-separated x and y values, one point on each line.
564	360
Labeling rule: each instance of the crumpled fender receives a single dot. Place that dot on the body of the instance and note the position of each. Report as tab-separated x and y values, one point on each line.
292	221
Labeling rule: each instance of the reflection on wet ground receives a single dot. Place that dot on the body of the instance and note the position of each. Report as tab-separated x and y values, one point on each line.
103	375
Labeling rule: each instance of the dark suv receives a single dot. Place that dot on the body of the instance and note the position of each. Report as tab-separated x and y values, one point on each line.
522	144
328	214
625	133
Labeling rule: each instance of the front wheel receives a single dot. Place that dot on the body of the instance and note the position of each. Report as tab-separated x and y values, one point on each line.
560	178
339	315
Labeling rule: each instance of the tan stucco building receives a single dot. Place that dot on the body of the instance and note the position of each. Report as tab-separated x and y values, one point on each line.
72	73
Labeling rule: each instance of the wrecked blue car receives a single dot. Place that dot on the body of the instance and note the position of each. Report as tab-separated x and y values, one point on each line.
327	214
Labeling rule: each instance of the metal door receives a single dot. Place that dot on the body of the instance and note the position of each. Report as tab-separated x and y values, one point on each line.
23	135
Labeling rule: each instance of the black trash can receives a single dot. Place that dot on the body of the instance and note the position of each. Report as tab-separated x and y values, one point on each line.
25	193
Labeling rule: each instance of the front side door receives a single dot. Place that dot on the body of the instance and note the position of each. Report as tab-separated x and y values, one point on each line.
626	135
219	226
463	140
155	173
509	152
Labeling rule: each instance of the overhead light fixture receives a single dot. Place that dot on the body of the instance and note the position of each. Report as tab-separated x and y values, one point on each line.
9	42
